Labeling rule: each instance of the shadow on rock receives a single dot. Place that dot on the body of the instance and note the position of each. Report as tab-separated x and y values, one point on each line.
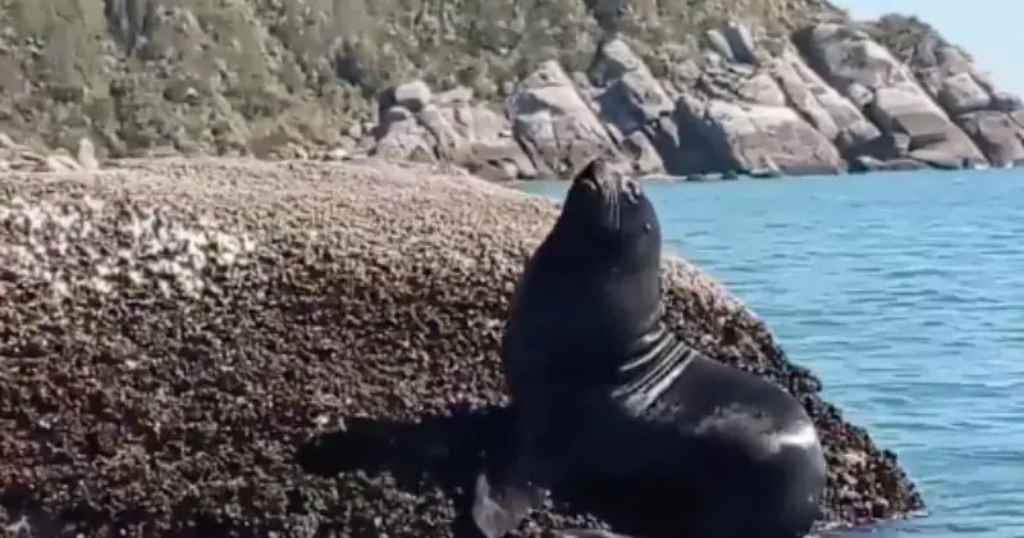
448	450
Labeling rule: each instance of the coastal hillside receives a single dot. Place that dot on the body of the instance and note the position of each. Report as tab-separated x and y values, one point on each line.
508	89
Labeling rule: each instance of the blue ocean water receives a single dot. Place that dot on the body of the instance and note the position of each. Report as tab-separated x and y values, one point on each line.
904	292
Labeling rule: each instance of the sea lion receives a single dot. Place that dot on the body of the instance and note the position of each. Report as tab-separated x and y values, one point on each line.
611	403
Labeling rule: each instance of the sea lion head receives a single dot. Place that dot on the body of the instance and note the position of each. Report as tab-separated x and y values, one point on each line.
610	220
591	290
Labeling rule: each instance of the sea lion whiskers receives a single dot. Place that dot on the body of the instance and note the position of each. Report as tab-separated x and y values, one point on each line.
610	186
615	189
612	201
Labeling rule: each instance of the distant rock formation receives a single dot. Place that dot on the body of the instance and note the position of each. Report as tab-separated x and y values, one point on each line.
550	118
868	74
635	106
830	98
994	119
417	125
835	116
736	117
18	157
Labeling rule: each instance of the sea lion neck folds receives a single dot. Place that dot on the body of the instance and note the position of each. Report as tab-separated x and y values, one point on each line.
646	375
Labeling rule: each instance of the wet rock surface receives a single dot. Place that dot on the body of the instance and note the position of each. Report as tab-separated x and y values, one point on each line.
213	348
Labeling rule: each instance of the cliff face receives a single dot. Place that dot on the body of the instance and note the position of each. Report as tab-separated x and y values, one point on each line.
523	89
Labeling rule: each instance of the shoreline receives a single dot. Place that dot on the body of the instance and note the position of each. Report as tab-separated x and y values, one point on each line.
522	184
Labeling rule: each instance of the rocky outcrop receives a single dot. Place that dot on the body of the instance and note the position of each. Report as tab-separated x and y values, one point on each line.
998	134
869	75
733	117
554	123
755	138
401	135
549	128
636	107
951	78
831	99
832	114
741	42
736	116
301	375
417	125
18	157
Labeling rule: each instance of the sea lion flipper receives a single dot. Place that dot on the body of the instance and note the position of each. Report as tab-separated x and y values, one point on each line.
498	510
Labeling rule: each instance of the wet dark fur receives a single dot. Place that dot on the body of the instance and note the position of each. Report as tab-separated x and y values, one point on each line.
664	441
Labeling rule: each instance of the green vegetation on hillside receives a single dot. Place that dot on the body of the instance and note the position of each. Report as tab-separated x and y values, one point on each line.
909	36
234	76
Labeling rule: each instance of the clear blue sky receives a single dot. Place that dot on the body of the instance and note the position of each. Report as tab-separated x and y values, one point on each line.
991	30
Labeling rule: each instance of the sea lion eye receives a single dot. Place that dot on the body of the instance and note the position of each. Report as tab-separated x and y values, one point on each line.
648	227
